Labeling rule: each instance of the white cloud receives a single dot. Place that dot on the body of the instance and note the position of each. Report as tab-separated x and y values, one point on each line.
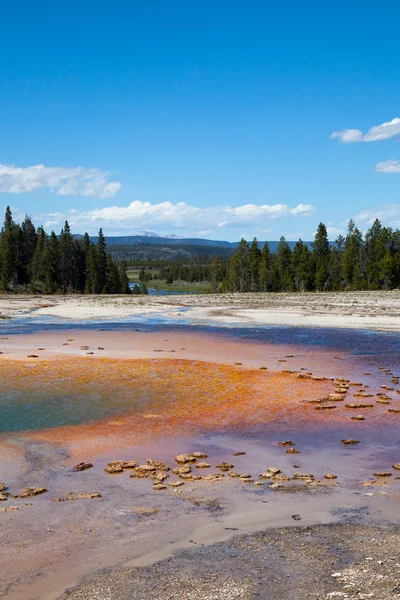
389	216
334	232
384	131
179	216
63	181
388	166
294	237
347	136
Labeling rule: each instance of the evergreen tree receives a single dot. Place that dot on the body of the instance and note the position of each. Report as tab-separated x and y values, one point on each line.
284	266
301	265
340	240
254	261
67	259
377	244
336	281
113	284
123	279
51	259
239	268
27	246
8	251
38	269
101	260
395	248
90	265
321	257
215	276
352	256
264	272
142	275
386	270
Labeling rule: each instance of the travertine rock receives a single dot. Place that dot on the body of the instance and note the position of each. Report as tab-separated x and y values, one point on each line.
82	466
182	470
199	455
29	492
224	466
185	458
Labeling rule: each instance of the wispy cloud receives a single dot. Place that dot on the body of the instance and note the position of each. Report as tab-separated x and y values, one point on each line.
384	131
180	216
75	181
334	232
388	166
294	237
389	215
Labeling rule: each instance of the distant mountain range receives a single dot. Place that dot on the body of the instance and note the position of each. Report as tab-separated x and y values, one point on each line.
151	234
148	237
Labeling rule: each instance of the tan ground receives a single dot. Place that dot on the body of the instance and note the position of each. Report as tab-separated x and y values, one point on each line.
362	310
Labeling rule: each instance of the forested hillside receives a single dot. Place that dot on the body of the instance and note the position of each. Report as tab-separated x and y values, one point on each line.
133	254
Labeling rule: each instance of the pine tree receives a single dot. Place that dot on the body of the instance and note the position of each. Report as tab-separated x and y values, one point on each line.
301	265
284	266
264	272
38	271
90	255
377	243
123	278
336	281
101	260
8	251
67	259
239	268
351	256
51	260
113	284
28	239
254	260
386	270
215	276
142	275
321	256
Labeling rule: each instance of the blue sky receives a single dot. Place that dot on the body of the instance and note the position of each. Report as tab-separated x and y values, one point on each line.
212	119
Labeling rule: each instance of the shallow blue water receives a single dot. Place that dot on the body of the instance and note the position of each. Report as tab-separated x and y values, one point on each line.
46	409
156	292
354	341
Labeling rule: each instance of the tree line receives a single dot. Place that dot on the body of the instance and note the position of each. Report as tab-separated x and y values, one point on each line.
33	260
352	262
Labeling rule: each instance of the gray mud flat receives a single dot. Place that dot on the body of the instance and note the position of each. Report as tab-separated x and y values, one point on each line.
293	563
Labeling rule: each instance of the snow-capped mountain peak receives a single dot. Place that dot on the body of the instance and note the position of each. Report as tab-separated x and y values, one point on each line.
146	234
151	234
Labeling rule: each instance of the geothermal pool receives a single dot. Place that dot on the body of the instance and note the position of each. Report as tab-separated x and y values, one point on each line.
133	392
